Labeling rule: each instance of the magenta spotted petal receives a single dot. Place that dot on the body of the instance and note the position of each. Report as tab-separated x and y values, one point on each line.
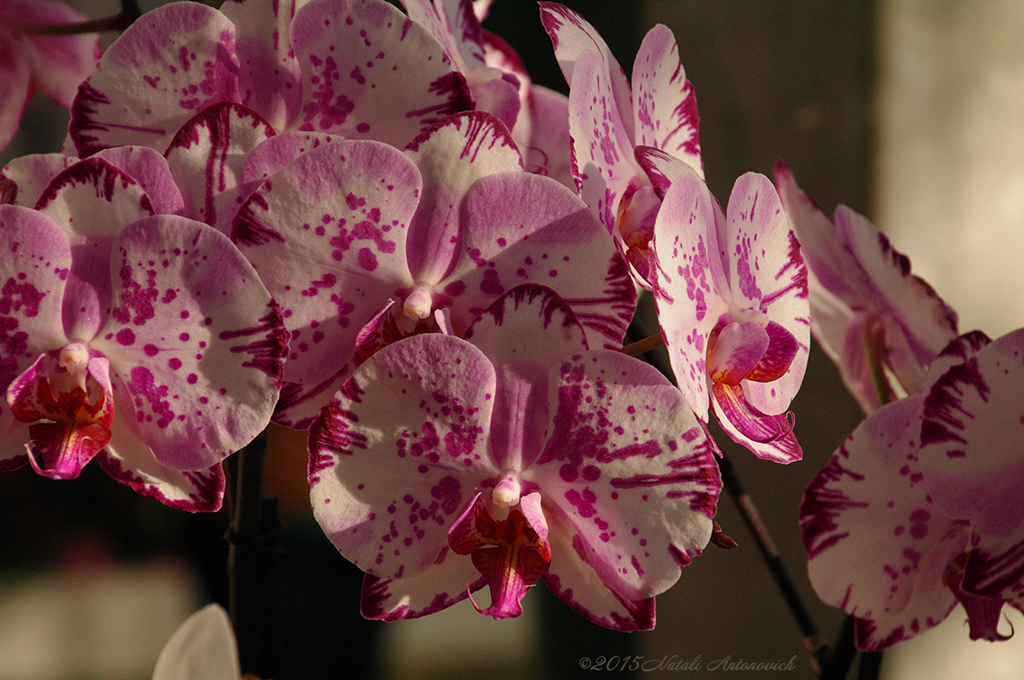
731	293
154	346
437	446
362	245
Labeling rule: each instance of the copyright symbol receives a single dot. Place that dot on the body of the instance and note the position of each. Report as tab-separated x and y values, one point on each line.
585	663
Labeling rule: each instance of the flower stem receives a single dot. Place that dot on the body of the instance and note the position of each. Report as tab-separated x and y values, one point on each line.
775	564
252	573
635	349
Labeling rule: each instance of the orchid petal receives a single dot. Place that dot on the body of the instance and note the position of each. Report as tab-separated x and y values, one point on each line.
202	647
736	352
971	456
386	492
206	157
767	436
168	66
449	580
687	279
547	148
130	461
382	97
150	170
271	155
506	333
528	228
778	358
661	168
630	468
194	338
93	201
572	36
15	84
26	177
577	584
664	101
342	212
878	543
602	147
269	81
451	157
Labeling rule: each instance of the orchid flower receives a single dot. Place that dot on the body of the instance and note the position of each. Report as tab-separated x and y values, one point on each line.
54	64
515	455
871	315
362	245
357	68
142	339
608	120
537	117
920	509
202	648
731	294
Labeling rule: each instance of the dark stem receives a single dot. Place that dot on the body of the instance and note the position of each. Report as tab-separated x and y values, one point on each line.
252	587
842	652
775	564
126	17
635	349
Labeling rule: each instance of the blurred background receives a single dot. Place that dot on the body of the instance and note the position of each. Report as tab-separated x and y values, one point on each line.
909	111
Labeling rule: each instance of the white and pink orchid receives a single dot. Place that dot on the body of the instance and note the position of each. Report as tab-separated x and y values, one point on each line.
444	465
609	121
875	319
142	339
920	509
362	244
29	60
731	294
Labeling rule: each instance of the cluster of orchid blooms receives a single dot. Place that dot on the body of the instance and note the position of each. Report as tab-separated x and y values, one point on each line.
328	214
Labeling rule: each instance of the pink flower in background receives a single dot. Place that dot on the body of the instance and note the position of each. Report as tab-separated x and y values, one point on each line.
920	508
444	465
142	339
56	65
363	244
873	317
609	120
731	294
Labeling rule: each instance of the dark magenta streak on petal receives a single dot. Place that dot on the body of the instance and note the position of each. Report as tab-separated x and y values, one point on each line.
208	485
83	121
331	434
823	505
995	576
944	412
451	85
648	449
268	352
798	275
247	229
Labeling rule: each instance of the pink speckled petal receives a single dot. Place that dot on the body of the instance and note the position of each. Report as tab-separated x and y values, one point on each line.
522	333
602	147
878	544
687	281
664	100
369	72
386	491
661	168
451	157
194	338
572	36
578	585
971	443
521	228
767	274
269	81
454	25
24	178
327	235
737	351
442	584
206	157
150	170
630	468
93	202
168	66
